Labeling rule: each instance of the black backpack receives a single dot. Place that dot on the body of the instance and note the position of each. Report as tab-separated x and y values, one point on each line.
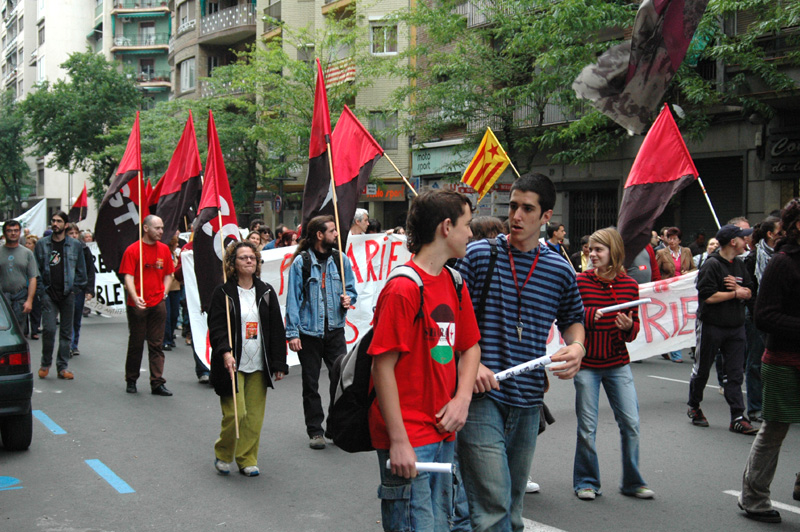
351	397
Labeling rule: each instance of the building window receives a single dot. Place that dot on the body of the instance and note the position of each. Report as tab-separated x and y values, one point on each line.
187	75
147	69
383	39
40	76
41	35
213	62
212	7
147	33
383	125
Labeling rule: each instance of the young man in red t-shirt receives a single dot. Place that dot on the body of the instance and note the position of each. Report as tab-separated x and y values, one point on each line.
423	368
146	309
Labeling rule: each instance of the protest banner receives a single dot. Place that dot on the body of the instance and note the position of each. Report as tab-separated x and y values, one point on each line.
109	293
667	321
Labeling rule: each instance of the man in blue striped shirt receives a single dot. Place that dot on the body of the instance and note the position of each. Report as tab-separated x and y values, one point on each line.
531	286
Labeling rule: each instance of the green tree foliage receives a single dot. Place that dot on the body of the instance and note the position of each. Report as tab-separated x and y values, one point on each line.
14	171
510	65
279	77
67	120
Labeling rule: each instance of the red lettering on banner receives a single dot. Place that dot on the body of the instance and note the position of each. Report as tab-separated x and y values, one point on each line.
649	323
372	250
687	315
552	334
354	264
392	255
355	330
663	286
285	263
383	256
673	307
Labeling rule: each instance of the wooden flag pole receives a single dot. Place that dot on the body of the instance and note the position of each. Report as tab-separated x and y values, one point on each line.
336	215
141	250
401	173
708	200
228	318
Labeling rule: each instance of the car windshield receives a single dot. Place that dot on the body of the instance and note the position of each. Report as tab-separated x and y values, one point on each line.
5	322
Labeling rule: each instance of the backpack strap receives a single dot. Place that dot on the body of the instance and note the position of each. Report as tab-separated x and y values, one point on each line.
306	256
487	279
404	270
458	282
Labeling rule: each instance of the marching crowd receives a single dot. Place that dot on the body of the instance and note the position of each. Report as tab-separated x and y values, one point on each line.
478	296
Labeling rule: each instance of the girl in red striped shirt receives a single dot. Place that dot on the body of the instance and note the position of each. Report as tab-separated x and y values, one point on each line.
607	363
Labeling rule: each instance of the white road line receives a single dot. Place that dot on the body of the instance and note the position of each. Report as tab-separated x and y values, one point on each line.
682	382
533	526
779	505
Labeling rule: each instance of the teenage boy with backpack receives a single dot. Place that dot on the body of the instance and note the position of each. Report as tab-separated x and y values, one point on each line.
425	361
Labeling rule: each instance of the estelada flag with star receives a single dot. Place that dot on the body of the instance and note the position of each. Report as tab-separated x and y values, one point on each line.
488	163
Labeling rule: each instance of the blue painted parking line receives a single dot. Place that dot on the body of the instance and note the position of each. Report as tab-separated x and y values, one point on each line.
8	483
47	422
109	476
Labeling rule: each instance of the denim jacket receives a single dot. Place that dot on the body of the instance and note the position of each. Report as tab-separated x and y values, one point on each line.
305	308
74	264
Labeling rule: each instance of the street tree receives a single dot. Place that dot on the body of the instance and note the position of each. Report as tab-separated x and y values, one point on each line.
14	171
510	66
67	120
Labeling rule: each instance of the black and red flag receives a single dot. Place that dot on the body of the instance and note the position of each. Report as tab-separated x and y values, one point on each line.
317	194
78	210
630	79
215	214
118	218
355	152
662	168
177	193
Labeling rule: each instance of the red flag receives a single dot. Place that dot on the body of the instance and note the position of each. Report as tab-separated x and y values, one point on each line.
119	215
78	210
662	168
216	199
317	192
150	198
177	193
354	153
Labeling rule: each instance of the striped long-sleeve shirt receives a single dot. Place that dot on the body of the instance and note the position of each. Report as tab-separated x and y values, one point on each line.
605	342
550	295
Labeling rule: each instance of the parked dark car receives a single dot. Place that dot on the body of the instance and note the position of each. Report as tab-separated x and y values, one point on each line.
16	383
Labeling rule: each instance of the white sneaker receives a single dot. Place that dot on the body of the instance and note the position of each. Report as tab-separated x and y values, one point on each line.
531	487
586	494
203	379
224	468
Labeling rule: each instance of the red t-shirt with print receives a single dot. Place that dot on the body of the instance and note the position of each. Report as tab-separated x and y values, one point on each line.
426	369
157	265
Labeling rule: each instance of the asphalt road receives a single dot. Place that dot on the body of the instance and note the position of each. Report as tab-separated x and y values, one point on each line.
159	451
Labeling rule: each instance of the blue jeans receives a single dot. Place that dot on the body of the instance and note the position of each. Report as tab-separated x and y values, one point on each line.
64	309
675	355
421	504
621	393
752	364
495	450
77	318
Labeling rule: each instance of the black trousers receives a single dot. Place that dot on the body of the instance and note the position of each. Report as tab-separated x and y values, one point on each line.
315	351
732	344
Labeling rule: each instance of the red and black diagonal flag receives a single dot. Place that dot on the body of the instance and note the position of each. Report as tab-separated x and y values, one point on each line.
216	205
177	193
150	193
119	216
630	79
317	194
354	152
78	211
662	168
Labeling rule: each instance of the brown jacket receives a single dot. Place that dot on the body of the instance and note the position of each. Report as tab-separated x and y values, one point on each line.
667	266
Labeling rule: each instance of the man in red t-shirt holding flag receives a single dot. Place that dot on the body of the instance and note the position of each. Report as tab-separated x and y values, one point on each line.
146	308
422	394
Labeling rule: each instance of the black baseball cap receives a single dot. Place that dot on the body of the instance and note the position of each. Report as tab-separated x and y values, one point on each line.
728	232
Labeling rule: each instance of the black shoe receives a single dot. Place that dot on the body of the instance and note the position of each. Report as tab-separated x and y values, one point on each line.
697	417
161	390
74	353
770	516
131	388
166	347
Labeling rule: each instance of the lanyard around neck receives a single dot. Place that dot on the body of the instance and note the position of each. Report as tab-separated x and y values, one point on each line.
519	289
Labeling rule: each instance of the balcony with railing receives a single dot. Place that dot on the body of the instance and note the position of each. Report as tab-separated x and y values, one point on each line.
186	26
154	78
135	43
272	20
224	89
229	25
528	115
332	6
126	6
477	12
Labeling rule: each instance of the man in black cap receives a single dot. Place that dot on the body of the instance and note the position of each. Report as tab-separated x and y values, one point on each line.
723	285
